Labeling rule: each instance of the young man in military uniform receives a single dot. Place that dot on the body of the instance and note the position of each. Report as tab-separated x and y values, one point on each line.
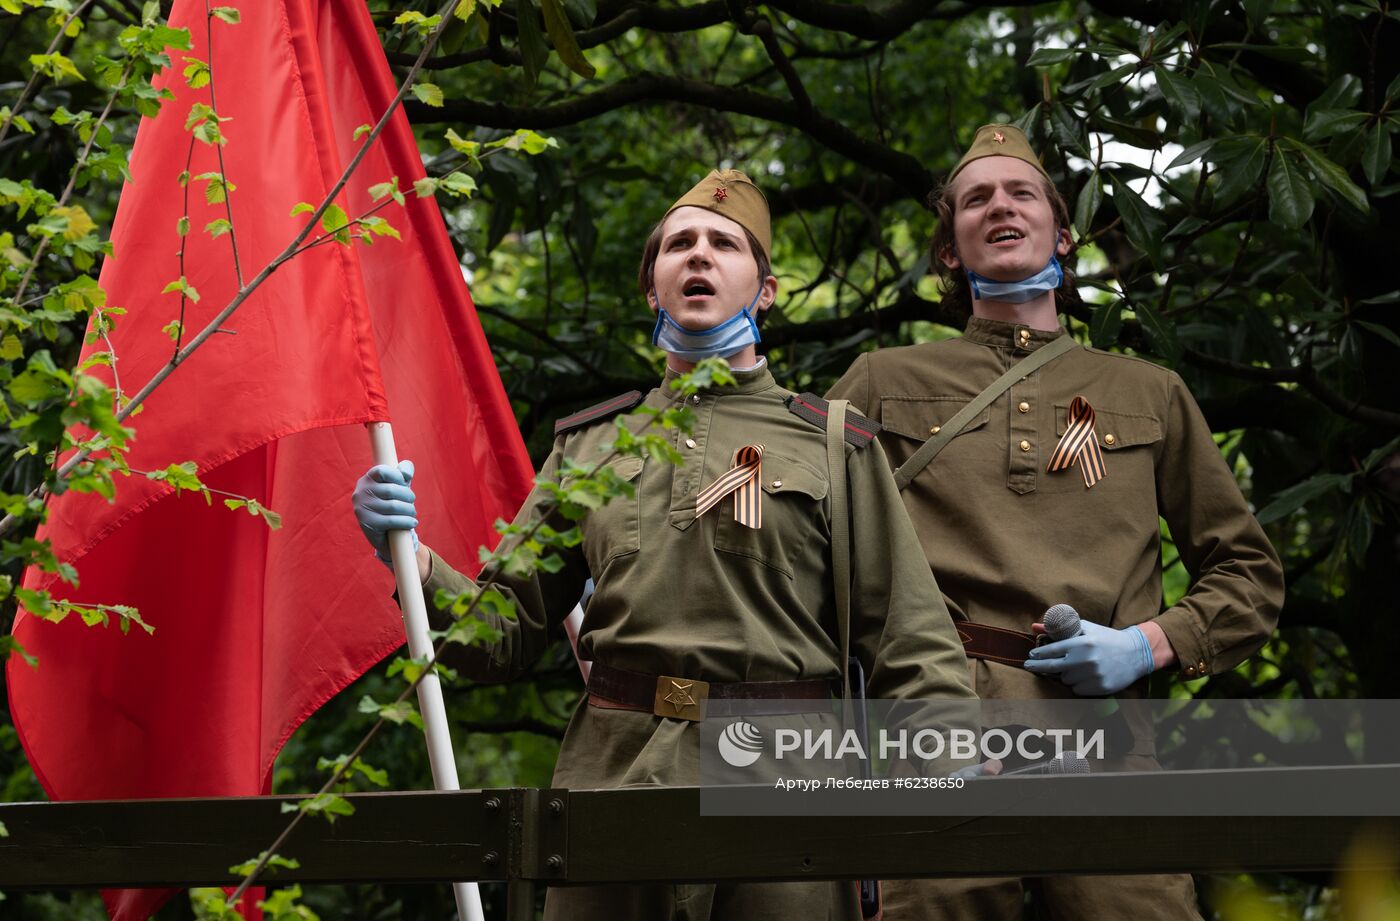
699	584
1050	493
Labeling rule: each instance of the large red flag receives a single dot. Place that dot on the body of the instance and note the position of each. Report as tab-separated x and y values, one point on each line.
254	628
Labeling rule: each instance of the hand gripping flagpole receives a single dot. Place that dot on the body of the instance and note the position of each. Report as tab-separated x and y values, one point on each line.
415	621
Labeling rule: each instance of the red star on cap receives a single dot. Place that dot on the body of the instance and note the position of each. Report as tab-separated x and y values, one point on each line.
998	137
721	194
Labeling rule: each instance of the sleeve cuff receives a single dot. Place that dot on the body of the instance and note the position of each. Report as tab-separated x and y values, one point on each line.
1189	644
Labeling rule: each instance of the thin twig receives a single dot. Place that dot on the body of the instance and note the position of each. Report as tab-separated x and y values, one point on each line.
219	148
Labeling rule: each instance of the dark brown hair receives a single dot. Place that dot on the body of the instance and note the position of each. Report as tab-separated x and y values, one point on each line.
953	286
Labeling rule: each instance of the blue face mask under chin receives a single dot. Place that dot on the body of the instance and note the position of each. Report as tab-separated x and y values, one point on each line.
1018	292
728	338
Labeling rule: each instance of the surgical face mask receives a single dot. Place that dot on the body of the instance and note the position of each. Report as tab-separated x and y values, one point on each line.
728	338
1018	292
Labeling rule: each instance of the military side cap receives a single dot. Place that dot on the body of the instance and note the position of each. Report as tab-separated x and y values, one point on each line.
601	411
732	194
860	431
999	141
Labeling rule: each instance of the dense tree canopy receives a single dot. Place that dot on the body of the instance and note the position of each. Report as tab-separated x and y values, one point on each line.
1228	164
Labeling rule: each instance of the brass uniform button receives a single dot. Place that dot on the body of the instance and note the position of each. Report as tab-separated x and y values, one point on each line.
1025	446
1190	671
1024	407
1109	439
1201	667
695	398
1025	336
690	442
777	483
935	430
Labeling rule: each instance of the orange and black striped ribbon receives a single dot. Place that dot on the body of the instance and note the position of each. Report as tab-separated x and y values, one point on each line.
743	481
1079	443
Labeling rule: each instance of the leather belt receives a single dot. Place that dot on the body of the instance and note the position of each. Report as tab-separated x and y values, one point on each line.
690	698
1009	647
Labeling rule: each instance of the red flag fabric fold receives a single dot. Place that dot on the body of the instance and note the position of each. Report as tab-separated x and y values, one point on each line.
256	628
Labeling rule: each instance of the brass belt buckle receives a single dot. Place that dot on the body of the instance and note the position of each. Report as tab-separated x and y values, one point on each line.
680	698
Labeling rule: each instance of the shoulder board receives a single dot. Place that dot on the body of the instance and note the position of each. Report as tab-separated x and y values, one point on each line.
593	413
860	431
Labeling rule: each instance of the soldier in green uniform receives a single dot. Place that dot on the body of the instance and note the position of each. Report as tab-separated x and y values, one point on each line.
1050	493
702	589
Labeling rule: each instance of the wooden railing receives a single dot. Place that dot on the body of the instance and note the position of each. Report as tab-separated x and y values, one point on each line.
527	837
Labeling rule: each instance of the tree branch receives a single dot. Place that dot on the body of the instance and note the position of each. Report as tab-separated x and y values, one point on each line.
648	88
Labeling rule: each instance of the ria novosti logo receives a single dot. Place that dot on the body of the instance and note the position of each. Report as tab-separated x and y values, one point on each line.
740	744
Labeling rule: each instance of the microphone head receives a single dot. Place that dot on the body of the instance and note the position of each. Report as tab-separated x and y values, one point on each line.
1061	622
1068	764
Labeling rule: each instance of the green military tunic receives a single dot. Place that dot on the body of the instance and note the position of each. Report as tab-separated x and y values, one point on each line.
712	599
1007	540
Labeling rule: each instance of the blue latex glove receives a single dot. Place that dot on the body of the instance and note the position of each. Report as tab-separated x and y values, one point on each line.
1098	662
383	503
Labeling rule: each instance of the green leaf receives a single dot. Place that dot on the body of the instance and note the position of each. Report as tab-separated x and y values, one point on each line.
227	14
561	35
336	223
1105	323
1241	163
1044	57
327	805
383	189
273	863
196	73
428	93
1160	333
361	132
1090	198
11	348
1290	196
1197	151
534	50
458	184
1375	154
1142	222
1344	93
1298	495
1179	93
1324	123
1385	333
173	329
425	187
1331	175
217	228
182	225
302	207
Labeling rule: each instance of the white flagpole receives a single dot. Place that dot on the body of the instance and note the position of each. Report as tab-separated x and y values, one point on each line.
415	621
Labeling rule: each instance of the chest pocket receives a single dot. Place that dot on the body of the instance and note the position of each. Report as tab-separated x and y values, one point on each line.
793	516
1127	441
917	418
614	529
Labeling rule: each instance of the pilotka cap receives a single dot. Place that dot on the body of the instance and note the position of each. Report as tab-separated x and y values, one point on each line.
999	141
732	194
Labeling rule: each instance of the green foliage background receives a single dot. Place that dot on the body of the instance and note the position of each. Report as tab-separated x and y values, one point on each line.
1229	165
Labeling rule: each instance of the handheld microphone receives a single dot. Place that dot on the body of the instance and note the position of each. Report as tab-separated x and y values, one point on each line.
1061	622
1066	763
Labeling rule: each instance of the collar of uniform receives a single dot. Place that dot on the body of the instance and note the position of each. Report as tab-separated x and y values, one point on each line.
1009	335
751	381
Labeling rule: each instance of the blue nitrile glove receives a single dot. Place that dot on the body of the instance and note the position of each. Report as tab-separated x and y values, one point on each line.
1097	662
383	503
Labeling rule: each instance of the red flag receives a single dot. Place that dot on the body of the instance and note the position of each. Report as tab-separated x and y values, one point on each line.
254	628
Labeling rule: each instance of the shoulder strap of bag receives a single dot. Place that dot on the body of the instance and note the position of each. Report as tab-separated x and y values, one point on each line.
840	534
950	429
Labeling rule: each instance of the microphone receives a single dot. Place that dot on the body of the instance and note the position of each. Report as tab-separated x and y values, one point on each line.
1061	622
1066	763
